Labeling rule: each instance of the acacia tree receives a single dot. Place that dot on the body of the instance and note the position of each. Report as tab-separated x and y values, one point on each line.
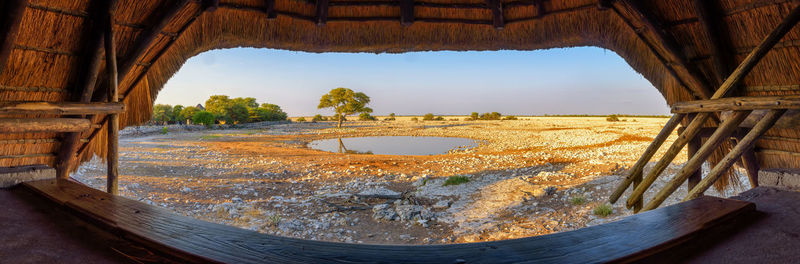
345	102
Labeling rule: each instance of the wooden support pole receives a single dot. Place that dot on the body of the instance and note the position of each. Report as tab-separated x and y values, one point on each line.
635	174
497	13
407	12
688	134
698	84
60	108
29	125
746	143
693	164
270	6
738	104
88	79
10	19
692	148
112	158
751	165
322	12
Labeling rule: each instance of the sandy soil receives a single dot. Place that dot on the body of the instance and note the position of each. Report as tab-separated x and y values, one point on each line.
526	178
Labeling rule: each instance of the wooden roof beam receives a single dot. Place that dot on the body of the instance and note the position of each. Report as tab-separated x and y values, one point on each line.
147	37
322	12
711	19
210	5
497	13
13	10
270	6
697	83
406	12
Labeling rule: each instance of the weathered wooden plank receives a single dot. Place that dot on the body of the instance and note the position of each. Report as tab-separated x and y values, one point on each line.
693	164
10	19
746	143
635	173
629	239
26	125
60	108
738	104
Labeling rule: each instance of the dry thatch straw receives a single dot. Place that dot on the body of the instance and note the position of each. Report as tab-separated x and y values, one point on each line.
47	62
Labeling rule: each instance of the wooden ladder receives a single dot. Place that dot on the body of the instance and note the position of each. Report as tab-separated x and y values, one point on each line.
699	112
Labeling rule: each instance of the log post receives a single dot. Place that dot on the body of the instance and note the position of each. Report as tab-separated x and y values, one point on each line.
635	174
750	163
746	143
112	176
13	10
406	12
689	133
51	125
88	78
692	148
693	164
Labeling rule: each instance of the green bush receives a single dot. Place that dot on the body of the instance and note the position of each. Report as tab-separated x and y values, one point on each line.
510	118
603	210
203	117
366	117
474	116
390	118
301	119
456	180
318	118
577	200
612	118
164	130
414	119
427	117
491	116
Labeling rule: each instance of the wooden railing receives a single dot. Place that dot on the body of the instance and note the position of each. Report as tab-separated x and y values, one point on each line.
698	113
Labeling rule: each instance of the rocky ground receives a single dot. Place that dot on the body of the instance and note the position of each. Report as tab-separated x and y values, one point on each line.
526	178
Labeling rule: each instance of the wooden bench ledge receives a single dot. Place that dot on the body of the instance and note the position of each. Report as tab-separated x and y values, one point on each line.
193	240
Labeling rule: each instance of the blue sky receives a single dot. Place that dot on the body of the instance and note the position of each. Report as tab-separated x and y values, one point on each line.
584	80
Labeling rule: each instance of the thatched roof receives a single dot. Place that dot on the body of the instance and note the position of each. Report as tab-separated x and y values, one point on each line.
668	42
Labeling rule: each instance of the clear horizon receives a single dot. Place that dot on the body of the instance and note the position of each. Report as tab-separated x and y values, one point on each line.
588	80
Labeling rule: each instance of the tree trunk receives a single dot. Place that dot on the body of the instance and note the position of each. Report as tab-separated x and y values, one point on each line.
340	121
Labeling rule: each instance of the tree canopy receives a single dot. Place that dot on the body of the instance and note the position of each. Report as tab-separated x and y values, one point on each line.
345	102
223	110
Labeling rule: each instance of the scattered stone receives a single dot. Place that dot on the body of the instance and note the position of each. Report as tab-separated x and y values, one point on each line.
293	225
550	190
381	193
383	212
442	204
186	189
